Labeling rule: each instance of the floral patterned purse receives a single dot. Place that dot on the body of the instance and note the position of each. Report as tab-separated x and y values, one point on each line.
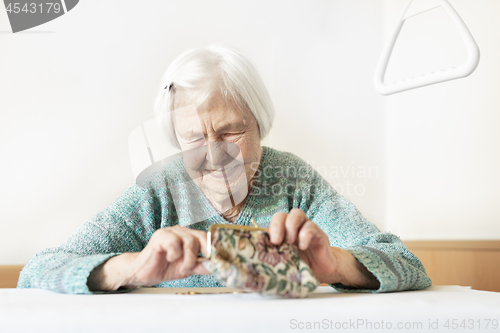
244	257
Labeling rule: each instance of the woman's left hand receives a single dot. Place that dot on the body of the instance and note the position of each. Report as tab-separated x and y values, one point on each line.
328	264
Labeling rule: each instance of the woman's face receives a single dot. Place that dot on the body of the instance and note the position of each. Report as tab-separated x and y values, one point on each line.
221	148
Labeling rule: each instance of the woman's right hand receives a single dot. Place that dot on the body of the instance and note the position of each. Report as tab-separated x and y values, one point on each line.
170	254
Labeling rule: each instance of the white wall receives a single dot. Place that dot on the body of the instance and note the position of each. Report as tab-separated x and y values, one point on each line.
73	89
443	141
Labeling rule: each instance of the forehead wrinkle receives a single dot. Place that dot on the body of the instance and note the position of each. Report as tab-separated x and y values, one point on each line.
219	123
226	126
218	112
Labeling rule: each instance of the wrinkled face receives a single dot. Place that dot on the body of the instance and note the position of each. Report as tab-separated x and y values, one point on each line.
221	148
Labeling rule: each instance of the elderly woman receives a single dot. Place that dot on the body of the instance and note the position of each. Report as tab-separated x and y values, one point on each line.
216	110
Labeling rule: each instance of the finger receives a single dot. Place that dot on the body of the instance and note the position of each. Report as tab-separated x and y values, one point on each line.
172	244
200	236
198	239
294	221
277	228
308	231
166	243
191	248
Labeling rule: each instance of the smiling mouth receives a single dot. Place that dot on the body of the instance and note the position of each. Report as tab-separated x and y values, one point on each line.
220	172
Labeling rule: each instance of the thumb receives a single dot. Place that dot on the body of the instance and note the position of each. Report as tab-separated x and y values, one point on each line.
200	269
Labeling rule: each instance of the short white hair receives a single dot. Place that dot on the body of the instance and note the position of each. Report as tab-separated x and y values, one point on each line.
209	70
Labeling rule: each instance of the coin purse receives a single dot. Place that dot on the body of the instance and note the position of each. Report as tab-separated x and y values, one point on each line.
244	257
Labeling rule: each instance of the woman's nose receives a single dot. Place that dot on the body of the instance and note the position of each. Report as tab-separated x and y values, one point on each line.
216	154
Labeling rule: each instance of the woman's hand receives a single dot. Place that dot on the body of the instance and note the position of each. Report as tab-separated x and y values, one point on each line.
328	264
170	254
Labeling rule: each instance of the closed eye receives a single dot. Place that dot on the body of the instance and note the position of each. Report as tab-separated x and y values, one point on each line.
231	135
195	143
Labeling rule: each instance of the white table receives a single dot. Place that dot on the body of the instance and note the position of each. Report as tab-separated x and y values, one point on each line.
436	309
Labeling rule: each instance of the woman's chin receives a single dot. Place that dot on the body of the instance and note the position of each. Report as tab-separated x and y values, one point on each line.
224	201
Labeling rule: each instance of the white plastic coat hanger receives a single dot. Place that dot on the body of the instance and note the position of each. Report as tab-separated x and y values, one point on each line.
416	7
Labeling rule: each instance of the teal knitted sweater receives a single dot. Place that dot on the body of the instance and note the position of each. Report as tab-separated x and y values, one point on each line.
166	197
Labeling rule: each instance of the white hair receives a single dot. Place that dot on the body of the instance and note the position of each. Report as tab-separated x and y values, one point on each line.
209	70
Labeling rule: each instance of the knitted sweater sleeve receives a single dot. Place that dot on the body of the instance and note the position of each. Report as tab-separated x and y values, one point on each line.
124	226
382	253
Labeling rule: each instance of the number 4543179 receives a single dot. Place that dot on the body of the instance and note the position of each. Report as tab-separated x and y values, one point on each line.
47	7
471	324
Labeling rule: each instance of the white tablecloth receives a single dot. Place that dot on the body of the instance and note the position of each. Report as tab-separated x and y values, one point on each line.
436	309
